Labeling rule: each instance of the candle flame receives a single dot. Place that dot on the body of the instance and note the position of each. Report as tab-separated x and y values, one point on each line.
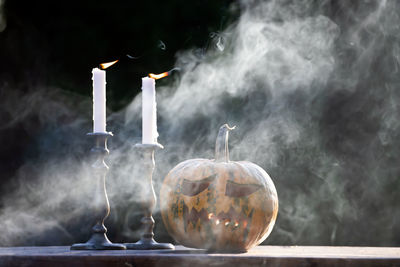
104	66
158	76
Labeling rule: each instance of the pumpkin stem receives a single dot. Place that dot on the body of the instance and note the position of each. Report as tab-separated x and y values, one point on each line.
221	145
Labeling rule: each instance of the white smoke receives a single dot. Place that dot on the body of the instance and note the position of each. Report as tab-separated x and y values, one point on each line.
313	95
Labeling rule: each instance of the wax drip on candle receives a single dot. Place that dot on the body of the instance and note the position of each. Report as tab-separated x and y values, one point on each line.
99	100
149	107
99	97
149	111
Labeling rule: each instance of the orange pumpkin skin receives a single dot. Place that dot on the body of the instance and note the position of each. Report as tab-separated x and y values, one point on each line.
218	204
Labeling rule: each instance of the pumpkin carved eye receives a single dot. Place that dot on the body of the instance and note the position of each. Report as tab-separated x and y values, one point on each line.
192	188
240	190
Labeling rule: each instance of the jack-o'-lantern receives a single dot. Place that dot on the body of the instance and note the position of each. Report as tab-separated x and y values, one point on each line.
219	205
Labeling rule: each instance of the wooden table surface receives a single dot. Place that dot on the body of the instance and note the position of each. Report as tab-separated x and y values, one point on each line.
181	256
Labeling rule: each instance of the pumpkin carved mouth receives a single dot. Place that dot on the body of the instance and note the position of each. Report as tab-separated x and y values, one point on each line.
231	219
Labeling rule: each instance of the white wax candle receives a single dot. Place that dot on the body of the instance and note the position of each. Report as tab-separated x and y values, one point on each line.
149	111
99	100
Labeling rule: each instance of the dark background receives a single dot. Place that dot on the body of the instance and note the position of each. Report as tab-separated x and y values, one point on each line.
53	44
48	49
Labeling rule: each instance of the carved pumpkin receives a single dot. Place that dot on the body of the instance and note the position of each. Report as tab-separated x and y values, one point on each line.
219	205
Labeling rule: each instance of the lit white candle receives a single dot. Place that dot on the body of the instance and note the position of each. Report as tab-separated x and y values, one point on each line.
99	100
149	111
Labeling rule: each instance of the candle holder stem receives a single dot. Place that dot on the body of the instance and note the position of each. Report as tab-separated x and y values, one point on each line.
101	206
148	203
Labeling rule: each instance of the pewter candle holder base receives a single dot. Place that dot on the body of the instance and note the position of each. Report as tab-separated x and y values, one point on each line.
148	197
101	206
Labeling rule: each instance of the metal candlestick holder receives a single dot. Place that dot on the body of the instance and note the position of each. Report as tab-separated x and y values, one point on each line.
101	206
148	198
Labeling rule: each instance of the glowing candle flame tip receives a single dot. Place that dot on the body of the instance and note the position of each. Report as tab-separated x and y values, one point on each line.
158	76
104	66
